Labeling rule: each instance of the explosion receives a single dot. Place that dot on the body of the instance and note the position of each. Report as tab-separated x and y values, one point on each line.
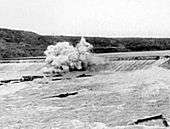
64	57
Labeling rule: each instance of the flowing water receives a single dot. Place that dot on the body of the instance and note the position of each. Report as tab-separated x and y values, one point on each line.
118	93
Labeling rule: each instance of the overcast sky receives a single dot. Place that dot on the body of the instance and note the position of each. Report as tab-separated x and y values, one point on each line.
115	18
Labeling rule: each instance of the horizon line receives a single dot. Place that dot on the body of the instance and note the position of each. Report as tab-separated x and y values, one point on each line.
86	36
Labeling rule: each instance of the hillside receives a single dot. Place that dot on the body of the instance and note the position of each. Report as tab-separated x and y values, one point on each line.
16	43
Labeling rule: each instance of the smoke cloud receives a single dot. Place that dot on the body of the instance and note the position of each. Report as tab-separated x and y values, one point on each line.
64	57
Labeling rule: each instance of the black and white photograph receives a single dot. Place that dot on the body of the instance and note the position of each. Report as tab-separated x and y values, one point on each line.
84	64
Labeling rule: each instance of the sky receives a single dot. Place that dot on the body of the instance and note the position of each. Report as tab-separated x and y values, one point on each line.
105	18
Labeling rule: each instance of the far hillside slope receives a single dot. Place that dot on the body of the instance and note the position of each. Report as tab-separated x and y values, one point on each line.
17	43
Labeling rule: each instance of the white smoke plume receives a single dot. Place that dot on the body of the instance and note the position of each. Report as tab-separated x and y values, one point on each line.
64	57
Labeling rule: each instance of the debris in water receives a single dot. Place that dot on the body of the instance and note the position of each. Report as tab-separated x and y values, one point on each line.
56	79
29	78
22	79
83	75
63	95
156	117
8	81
